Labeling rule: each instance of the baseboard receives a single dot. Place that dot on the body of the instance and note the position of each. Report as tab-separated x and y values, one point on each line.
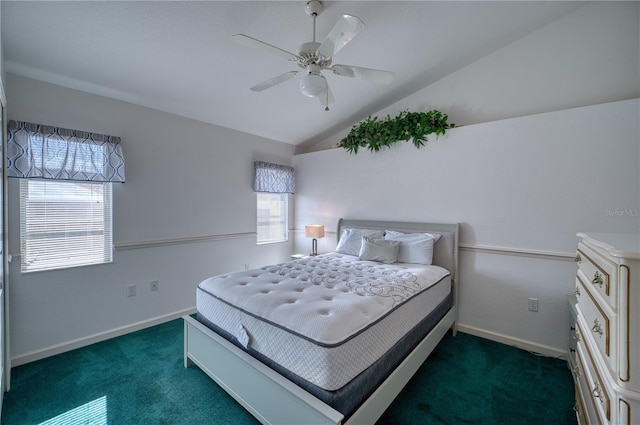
103	336
533	347
92	339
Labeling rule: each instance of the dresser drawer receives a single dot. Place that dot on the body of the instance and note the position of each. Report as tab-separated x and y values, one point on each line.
596	394
598	323
580	407
600	273
585	408
573	311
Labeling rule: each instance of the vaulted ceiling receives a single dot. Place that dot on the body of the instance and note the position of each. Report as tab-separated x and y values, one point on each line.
179	57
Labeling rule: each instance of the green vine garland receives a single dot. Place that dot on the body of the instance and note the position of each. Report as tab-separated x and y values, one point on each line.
376	134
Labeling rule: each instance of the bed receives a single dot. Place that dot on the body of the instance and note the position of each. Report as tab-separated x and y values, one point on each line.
289	367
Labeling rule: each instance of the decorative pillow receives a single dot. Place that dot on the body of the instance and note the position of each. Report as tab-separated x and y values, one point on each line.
351	239
416	248
379	250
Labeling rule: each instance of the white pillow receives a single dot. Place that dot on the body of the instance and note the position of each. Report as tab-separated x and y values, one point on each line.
379	250
416	248
351	239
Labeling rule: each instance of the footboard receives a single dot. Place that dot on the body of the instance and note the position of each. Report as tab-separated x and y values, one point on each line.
268	396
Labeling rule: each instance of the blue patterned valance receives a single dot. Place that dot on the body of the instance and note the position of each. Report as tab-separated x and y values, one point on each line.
46	152
274	178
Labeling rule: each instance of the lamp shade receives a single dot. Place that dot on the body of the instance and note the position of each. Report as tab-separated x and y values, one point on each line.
313	85
315	231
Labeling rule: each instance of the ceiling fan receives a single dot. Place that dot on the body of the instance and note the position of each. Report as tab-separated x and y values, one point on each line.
313	57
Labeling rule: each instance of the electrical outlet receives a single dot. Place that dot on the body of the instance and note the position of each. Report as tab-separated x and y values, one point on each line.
246	266
154	285
131	290
533	304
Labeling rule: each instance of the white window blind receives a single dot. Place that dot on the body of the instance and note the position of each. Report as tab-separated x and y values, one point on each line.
64	224
272	217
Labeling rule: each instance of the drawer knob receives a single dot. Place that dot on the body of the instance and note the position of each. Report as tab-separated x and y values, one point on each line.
578	258
577	292
596	327
576	335
597	279
597	392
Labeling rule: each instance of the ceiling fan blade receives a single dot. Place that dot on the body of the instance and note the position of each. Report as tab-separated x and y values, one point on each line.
342	33
375	75
274	81
245	40
327	98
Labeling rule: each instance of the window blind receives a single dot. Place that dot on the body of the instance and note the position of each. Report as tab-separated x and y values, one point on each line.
272	224
64	224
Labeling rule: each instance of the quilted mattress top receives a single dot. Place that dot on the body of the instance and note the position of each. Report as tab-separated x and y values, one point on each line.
326	299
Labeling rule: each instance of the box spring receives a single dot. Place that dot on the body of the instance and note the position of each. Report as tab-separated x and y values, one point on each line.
348	398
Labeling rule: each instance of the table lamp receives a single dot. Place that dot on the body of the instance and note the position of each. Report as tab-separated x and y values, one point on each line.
315	231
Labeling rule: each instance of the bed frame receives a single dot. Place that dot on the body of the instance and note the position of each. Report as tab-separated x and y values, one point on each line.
272	398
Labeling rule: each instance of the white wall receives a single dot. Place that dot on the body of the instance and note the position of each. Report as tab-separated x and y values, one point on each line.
587	57
185	179
522	184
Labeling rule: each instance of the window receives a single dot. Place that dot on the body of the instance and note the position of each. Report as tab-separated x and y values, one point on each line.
273	183
64	224
272	217
65	194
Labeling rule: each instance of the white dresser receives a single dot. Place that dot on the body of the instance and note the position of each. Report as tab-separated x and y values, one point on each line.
606	359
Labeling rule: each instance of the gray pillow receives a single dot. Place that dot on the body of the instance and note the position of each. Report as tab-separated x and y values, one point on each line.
379	250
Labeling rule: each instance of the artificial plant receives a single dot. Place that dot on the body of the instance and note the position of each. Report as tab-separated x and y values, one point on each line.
376	134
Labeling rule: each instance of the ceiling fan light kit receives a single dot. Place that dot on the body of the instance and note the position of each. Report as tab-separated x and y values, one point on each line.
313	85
313	57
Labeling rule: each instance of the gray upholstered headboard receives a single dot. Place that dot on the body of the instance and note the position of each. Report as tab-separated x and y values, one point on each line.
445	251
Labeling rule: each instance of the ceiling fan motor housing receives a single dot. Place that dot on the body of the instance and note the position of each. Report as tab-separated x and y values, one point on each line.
309	55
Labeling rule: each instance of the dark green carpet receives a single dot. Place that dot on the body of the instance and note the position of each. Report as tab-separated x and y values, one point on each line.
139	379
471	380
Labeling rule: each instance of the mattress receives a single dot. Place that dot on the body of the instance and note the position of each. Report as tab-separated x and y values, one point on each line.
325	319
